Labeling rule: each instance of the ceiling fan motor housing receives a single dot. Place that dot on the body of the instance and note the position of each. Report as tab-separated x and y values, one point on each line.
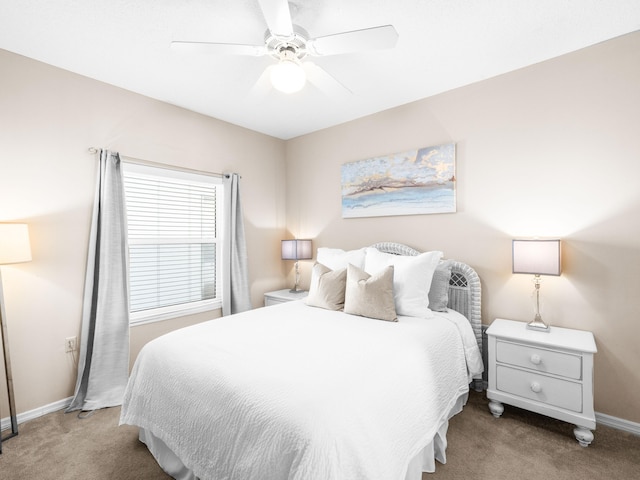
292	47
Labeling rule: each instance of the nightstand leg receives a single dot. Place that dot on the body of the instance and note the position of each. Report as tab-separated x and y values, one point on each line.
496	408
583	435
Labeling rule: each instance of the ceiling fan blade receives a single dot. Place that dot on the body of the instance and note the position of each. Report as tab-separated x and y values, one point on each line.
374	38
263	85
219	48
278	17
324	81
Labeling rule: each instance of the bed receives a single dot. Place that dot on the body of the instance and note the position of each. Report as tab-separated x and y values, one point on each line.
300	392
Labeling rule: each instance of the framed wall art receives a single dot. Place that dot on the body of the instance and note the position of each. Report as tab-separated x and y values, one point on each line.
415	182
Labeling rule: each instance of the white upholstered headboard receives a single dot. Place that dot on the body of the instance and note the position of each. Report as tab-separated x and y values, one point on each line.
464	287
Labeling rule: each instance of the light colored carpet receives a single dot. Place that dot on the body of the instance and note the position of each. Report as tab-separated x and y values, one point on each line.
518	445
525	445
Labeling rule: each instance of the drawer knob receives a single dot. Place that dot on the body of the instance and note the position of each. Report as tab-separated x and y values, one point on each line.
535	359
536	387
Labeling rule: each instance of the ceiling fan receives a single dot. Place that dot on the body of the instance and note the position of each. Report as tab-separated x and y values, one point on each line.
291	45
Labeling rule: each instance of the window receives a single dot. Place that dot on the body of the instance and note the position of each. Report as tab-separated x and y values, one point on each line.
174	245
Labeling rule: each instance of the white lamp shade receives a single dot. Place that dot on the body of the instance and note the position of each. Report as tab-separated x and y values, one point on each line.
14	243
296	250
288	76
537	257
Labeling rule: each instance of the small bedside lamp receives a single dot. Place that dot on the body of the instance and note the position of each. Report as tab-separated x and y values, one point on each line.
536	257
296	250
14	248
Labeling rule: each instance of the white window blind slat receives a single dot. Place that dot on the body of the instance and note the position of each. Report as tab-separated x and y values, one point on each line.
173	227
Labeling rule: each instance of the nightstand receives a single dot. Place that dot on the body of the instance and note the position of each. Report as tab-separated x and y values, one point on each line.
550	373
282	296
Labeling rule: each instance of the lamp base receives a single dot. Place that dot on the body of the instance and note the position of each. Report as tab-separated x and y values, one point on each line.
539	326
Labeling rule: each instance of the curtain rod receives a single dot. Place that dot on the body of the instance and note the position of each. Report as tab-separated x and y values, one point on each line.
149	163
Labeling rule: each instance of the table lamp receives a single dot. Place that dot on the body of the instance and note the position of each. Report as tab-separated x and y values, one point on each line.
296	250
536	257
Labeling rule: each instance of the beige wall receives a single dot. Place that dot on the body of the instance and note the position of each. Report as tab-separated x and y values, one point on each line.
550	150
48	119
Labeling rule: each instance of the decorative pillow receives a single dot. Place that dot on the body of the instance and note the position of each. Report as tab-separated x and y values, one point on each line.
335	258
411	279
370	295
327	287
439	292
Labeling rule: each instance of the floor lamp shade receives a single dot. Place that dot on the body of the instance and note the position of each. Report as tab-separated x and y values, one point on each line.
14	248
14	243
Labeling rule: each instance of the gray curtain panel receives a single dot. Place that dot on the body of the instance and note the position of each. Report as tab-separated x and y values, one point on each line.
236	296
103	366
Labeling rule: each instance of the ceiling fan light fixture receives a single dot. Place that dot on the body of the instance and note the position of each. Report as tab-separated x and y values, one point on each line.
288	76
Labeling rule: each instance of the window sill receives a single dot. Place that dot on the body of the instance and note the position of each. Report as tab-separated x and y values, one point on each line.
169	313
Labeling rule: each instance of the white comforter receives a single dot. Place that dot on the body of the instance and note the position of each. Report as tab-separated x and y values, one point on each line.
300	393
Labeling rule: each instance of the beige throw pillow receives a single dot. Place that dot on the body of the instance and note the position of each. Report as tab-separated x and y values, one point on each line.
370	295
327	287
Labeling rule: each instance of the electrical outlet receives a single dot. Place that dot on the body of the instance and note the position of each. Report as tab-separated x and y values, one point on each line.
70	344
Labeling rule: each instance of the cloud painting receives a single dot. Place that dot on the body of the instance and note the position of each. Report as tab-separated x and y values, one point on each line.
408	183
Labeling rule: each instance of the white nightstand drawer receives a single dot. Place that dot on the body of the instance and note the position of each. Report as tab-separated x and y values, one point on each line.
540	359
549	390
268	301
283	296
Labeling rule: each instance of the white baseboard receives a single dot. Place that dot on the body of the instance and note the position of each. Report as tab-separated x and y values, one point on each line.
607	420
5	424
617	423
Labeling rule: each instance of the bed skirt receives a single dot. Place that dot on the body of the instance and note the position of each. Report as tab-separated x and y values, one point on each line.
424	461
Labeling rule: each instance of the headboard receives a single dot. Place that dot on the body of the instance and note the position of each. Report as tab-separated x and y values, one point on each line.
464	288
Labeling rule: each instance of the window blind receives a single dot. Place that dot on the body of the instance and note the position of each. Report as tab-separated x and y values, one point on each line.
173	230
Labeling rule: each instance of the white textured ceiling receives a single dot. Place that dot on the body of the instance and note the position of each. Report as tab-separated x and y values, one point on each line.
443	44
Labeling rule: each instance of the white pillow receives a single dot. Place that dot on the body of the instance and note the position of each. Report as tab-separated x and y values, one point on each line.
335	258
411	279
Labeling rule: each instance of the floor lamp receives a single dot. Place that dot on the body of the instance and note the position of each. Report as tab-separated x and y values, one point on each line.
14	248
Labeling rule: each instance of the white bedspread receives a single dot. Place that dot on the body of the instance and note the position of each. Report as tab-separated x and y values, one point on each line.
300	393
